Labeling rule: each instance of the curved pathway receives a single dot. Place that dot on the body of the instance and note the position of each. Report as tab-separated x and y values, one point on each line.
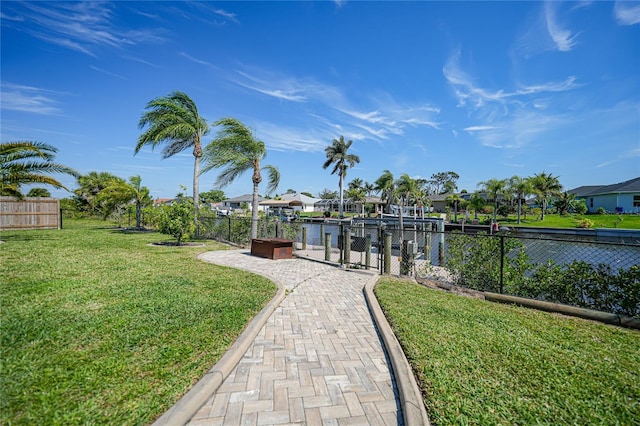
316	359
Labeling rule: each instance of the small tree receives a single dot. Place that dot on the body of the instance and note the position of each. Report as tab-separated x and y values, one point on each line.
177	219
39	192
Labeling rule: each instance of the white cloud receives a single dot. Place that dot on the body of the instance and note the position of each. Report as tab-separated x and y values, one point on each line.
472	129
564	39
627	13
107	72
30	99
197	61
82	26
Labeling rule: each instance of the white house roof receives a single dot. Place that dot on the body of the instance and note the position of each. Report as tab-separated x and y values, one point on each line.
306	200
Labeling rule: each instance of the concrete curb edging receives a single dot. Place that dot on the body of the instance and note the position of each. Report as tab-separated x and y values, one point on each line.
182	411
413	409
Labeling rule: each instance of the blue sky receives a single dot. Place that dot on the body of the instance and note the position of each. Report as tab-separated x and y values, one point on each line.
485	89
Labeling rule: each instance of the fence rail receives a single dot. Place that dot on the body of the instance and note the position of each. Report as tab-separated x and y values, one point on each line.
597	275
29	213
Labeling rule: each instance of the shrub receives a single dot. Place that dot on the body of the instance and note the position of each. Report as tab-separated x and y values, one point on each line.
177	220
601	210
584	223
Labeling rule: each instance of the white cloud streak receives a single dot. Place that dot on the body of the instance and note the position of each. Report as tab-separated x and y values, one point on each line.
83	26
16	97
627	13
563	38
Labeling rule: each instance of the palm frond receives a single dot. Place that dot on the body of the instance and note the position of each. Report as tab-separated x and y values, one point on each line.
273	178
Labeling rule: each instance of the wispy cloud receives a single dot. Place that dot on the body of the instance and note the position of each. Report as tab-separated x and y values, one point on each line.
472	129
632	153
227	15
82	26
627	13
563	38
100	70
16	97
330	110
197	61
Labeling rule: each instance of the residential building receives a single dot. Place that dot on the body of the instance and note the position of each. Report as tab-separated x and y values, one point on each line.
623	197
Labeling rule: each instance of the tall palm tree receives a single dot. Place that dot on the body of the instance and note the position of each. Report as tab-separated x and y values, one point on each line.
407	189
236	150
386	186
337	153
545	186
174	120
520	187
25	162
455	200
494	187
476	202
141	197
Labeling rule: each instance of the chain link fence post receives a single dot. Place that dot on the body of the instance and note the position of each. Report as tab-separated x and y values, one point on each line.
387	253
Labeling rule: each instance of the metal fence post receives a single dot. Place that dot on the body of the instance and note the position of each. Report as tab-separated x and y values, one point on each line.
501	262
367	258
387	253
441	243
327	246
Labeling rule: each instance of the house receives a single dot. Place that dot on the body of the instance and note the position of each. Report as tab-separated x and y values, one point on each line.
242	202
349	206
301	202
162	202
623	197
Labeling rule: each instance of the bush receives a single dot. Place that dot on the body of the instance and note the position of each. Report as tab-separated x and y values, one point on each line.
475	261
177	220
601	210
584	223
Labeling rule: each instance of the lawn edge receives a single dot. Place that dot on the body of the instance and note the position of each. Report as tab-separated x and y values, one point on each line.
187	406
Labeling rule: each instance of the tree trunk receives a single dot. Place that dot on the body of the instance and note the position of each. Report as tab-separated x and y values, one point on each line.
341	207
138	214
196	188
254	211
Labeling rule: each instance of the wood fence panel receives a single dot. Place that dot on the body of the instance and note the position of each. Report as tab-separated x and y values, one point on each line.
29	213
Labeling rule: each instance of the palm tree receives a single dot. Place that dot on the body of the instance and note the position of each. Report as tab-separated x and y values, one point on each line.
564	202
476	202
236	150
174	120
407	189
545	186
337	153
520	187
386	185
455	200
494	188
141	197
25	162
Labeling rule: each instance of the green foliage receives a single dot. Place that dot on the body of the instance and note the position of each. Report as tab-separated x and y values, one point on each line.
587	286
177	219
601	210
481	363
213	196
583	222
579	206
38	192
26	162
475	261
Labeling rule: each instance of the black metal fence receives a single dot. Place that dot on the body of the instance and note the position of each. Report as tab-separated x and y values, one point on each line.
593	274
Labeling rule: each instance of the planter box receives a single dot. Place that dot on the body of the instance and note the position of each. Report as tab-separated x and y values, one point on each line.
272	248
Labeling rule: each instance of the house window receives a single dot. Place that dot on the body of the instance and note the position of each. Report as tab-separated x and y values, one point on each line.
636	201
591	202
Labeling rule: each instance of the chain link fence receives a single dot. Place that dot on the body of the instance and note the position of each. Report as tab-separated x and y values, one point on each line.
597	275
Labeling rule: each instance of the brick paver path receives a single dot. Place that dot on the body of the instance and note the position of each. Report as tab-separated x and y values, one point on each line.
318	359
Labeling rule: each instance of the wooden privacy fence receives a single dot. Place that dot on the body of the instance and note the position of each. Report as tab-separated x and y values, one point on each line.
29	213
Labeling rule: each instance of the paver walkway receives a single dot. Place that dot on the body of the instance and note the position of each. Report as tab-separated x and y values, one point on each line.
317	360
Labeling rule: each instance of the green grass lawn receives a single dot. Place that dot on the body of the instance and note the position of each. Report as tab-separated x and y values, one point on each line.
98	327
628	221
484	363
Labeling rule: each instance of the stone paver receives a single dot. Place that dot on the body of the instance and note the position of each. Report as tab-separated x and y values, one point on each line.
317	360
